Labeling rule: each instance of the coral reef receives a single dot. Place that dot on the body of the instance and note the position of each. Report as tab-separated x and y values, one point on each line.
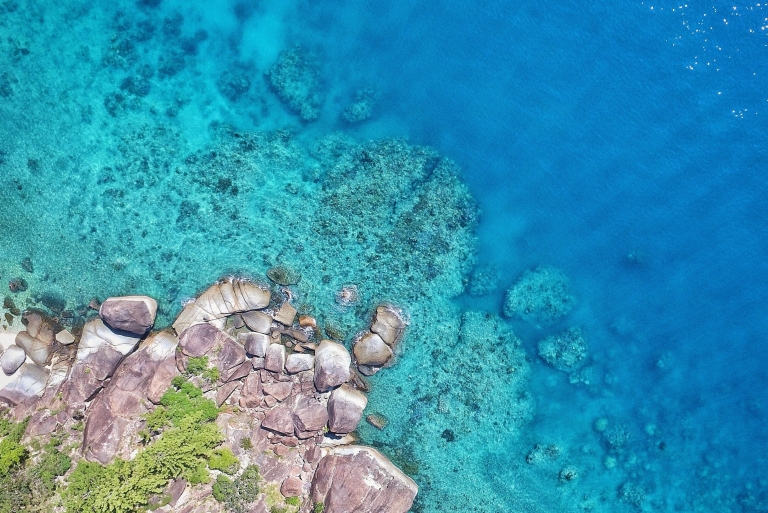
361	108
566	351
540	296
295	78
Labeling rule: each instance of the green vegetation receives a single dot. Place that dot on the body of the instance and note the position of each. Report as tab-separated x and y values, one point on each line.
12	453
319	507
198	366
293	501
28	487
246	444
223	459
236	495
186	444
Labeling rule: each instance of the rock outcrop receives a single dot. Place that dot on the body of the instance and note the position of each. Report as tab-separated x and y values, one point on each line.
220	300
124	401
356	479
99	353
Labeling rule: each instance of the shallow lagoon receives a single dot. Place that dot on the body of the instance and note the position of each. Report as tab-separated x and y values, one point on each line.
132	164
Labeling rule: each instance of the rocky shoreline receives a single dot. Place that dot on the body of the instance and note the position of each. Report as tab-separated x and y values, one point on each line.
289	399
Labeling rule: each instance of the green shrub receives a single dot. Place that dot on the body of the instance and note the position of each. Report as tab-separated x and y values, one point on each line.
319	507
198	366
12	453
293	501
223	459
236	495
184	450
246	444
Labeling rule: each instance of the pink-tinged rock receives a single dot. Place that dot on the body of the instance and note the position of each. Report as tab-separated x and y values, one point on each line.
12	359
310	419
224	391
280	390
252	393
42	423
275	358
292	487
286	314
199	339
296	363
332	363
388	323
160	381
240	372
371	350
254	343
356	479
27	382
279	419
345	409
229	356
133	314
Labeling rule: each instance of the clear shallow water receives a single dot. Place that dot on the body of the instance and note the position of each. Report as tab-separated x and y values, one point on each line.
586	133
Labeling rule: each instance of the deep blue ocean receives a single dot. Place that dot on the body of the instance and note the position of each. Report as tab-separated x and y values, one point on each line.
625	143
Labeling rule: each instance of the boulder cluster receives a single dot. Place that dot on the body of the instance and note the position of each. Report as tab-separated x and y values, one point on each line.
294	399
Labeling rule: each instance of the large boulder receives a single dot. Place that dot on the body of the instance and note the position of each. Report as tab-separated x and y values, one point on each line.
133	314
332	363
345	409
12	359
388	323
309	418
200	339
38	350
279	419
371	350
257	321
356	479
224	298
99	353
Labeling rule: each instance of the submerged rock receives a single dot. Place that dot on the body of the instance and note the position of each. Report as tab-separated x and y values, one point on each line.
356	478
133	314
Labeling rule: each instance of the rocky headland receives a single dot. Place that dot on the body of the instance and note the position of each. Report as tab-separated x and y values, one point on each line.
266	404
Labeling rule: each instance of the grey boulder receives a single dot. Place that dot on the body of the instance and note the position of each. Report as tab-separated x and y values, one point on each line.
12	359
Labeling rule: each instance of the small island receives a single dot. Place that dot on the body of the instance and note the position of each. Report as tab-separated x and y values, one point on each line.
243	405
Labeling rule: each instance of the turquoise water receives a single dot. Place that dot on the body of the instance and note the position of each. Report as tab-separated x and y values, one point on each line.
143	149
